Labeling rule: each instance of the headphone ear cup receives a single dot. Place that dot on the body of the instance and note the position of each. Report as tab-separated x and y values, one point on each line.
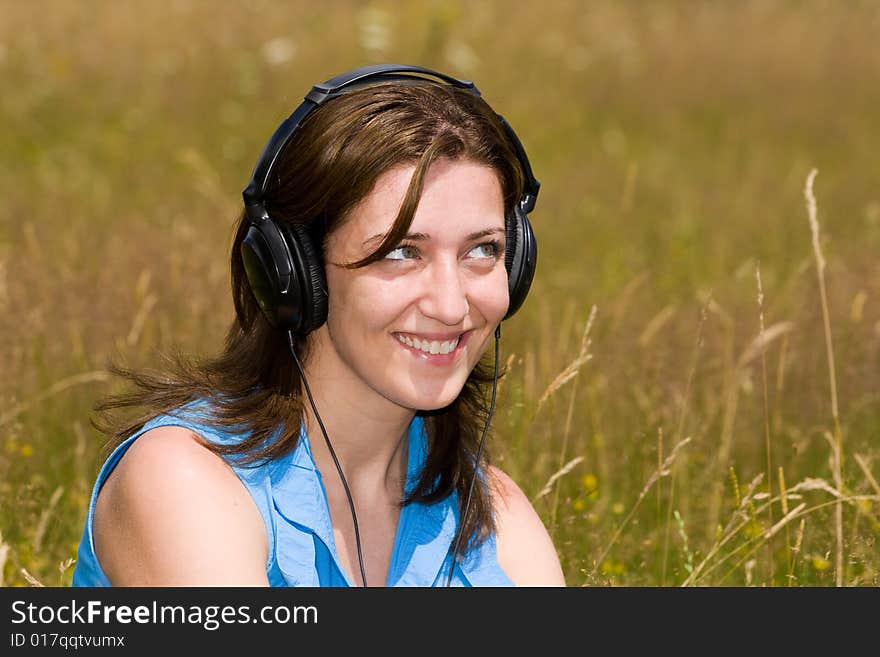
266	262
520	258
310	311
286	275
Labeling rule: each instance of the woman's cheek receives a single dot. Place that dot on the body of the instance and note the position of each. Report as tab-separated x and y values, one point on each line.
492	296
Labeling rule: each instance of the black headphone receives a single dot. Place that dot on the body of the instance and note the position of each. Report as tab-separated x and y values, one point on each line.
283	266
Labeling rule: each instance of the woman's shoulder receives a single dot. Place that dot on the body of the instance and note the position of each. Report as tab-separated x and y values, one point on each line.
172	454
525	549
171	510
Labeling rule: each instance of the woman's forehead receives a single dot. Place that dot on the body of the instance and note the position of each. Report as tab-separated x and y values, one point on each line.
456	194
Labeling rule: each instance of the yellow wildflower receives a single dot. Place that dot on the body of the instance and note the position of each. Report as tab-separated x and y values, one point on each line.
820	563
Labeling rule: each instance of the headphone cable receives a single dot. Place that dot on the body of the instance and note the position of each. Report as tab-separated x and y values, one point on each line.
467	504
357	535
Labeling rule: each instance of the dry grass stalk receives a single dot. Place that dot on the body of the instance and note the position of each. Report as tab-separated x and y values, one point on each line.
664	470
753	544
780	380
734	481
731	404
838	450
568	467
814	483
682	416
572	369
566	375
659	466
766	415
762	340
864	466
4	553
40	532
783	498
657	322
744	515
4	285
140	318
63	567
629	186
564	451
744	505
507	368
820	269
795	551
784	521
54	389
33	581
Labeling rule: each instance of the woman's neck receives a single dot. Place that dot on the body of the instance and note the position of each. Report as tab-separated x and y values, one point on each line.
367	431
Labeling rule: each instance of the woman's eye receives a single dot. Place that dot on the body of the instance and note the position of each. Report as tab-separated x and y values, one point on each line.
485	250
403	252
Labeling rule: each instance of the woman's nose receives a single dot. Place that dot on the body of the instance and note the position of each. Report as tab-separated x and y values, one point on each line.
443	295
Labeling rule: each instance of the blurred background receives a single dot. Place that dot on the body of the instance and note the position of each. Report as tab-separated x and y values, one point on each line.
691	394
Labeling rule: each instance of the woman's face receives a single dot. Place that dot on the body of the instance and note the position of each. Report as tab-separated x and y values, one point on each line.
410	328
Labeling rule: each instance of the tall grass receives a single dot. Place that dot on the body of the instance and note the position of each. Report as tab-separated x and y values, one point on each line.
668	430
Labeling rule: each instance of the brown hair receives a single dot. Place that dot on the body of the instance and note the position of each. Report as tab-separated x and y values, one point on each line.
328	167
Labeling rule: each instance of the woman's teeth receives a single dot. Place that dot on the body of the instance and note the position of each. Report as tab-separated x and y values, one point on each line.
429	346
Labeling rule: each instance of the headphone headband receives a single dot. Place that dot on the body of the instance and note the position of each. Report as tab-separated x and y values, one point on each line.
320	93
334	86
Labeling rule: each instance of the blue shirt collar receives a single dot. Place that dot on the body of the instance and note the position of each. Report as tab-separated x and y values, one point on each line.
424	532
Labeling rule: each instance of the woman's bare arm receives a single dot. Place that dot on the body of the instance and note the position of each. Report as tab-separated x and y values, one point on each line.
173	513
525	550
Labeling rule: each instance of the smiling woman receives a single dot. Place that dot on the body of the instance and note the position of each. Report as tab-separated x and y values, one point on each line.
338	438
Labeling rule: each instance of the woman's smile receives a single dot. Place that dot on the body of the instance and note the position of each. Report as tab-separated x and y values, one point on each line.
436	350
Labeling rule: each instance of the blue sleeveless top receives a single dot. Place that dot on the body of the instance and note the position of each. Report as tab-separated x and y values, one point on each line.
292	500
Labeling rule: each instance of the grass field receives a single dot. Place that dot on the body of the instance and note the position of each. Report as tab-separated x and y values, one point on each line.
692	396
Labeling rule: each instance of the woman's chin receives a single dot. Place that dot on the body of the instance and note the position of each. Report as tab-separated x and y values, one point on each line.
432	401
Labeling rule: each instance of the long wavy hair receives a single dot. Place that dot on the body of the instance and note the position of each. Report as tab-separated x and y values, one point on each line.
333	161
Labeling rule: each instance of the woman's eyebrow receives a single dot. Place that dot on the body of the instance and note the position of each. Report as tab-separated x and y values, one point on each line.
421	237
485	233
413	237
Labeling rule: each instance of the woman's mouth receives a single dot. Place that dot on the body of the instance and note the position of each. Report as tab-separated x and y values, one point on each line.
429	346
434	349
